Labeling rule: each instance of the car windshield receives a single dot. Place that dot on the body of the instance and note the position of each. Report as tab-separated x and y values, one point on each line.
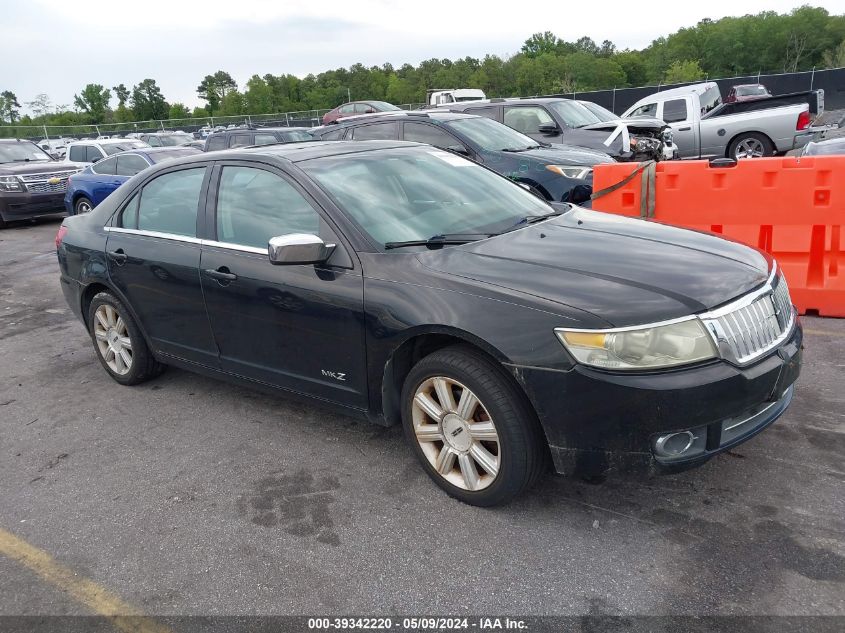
490	135
574	114
22	152
297	135
174	140
418	193
602	114
751	91
168	154
116	148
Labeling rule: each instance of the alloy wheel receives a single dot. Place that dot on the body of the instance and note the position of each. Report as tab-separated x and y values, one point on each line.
749	148
112	339
83	206
456	433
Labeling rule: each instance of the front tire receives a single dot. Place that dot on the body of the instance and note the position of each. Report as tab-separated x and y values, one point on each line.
473	431
118	342
82	205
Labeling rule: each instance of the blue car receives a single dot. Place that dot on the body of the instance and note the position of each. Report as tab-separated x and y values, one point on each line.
93	184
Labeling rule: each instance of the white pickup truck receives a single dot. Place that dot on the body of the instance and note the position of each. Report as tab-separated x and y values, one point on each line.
705	128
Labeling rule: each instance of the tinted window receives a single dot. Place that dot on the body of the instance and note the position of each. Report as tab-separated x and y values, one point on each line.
105	167
169	202
129	215
425	133
77	153
129	164
240	140
335	135
490	112
675	110
379	131
216	142
92	154
649	110
254	205
265	139
527	119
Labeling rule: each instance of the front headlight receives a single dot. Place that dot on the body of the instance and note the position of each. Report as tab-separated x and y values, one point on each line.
652	347
10	183
571	171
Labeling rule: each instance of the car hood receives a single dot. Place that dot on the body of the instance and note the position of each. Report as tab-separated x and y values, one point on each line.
623	270
558	154
36	167
633	125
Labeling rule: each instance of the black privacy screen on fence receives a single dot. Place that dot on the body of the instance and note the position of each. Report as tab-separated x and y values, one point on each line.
831	81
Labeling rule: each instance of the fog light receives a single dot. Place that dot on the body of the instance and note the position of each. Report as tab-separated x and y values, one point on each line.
681	444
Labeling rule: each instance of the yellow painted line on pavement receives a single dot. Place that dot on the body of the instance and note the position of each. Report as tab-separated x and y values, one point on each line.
87	592
823	332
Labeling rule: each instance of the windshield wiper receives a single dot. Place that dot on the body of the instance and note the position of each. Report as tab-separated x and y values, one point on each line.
533	219
441	240
520	149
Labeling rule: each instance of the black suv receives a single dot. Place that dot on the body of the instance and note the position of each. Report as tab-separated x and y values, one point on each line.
244	137
557	174
32	183
558	120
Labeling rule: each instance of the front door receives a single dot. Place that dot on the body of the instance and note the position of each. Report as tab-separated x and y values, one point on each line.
298	327
528	119
677	113
153	259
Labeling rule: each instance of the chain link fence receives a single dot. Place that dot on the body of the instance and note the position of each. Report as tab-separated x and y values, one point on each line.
301	118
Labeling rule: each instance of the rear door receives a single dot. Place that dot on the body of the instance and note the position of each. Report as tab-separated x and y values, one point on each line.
106	179
298	327
153	256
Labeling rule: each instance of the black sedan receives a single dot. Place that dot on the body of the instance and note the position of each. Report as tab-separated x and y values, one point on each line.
402	283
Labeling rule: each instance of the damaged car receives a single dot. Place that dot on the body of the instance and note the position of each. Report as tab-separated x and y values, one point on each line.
569	122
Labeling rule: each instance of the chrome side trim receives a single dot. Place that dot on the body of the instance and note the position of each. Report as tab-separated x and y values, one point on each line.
188	240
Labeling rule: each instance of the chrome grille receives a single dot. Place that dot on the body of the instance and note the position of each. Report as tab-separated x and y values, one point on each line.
46	187
28	178
753	325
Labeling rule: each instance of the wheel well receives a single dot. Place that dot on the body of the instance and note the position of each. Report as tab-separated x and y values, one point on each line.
741	134
88	295
409	354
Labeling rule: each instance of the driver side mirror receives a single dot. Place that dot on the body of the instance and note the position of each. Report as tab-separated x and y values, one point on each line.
549	129
298	248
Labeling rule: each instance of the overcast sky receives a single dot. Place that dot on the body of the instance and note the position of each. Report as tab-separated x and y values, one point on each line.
58	46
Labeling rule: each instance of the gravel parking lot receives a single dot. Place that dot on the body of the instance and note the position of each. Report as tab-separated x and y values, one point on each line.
190	496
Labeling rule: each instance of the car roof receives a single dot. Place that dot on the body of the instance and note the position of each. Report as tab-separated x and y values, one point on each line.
305	150
106	141
413	115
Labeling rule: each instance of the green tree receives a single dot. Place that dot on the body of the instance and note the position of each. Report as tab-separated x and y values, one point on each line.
122	93
178	111
834	58
93	101
683	71
199	112
147	101
214	88
540	43
9	106
258	97
40	105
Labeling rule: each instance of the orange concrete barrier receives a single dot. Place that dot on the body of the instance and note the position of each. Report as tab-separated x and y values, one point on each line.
793	208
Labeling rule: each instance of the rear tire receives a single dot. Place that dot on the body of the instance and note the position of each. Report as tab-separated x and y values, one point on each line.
473	431
750	145
82	205
118	342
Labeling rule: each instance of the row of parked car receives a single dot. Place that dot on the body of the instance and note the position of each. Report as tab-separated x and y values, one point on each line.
548	145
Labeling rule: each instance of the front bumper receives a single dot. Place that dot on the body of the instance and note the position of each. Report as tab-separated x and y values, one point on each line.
23	205
598	421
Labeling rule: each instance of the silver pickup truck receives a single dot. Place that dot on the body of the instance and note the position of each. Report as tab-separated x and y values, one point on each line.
704	128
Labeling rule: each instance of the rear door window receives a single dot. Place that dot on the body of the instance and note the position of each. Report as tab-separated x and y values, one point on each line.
169	202
240	140
675	111
216	142
377	131
105	167
130	164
